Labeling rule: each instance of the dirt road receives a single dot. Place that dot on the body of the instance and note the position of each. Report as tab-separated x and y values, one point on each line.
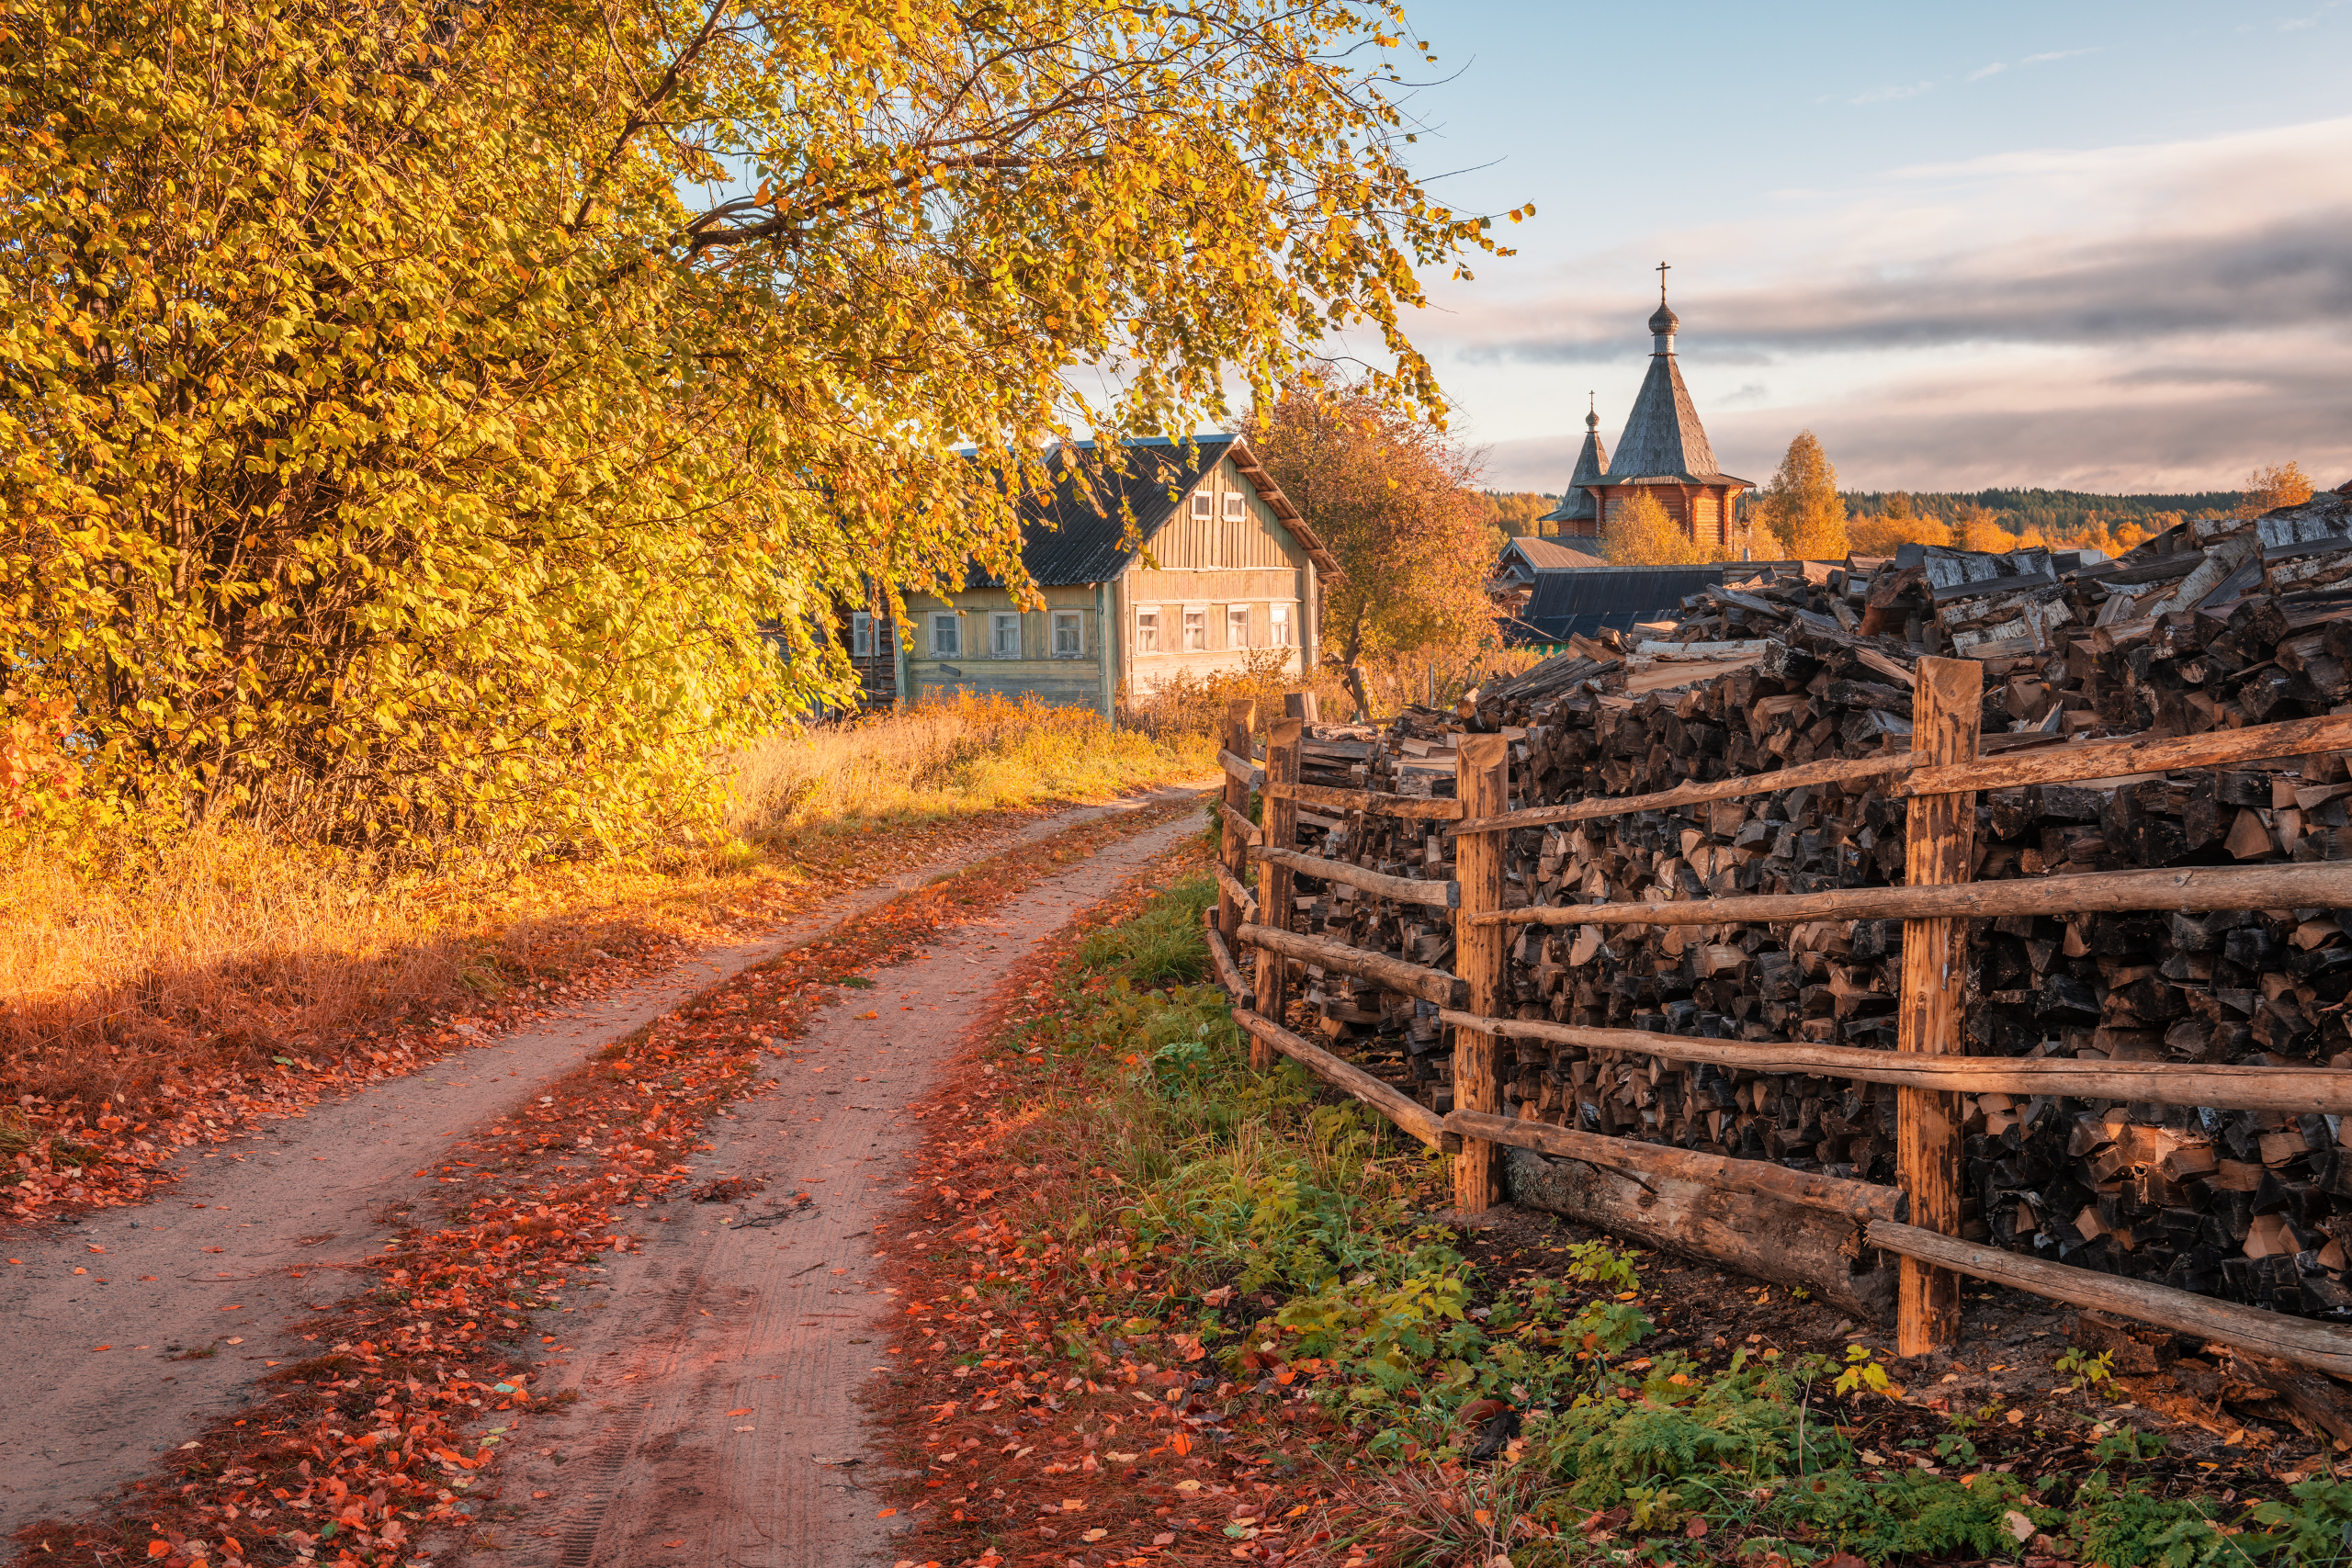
130	1329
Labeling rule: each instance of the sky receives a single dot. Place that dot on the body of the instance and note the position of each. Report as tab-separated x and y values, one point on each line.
2093	247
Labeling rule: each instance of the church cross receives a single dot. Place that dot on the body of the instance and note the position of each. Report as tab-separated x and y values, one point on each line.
1661	282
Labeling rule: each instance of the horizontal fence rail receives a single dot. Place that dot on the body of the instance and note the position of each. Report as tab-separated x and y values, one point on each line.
1402	889
1396	974
2324	884
1421	806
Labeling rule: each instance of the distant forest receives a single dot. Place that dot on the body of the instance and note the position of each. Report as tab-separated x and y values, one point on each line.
2056	514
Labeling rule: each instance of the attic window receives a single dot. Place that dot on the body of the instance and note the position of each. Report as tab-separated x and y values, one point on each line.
1200	509
1233	509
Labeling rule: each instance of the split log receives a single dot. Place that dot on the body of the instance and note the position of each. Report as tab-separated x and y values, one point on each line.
1240	770
1760	1179
1404	889
2323	1091
2324	884
1412	979
1228	973
2325	1345
1770	1238
1373	801
1407	1113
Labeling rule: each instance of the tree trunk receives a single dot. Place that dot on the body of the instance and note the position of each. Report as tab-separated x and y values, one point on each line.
1356	690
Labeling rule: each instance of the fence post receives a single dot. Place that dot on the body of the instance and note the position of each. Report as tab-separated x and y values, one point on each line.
1233	853
1280	831
1483	781
1946	714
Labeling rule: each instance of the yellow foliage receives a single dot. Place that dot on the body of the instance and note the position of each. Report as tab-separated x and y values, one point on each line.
1640	532
1802	507
2280	484
1879	534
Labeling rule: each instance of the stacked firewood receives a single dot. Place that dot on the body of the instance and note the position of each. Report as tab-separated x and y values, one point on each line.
2256	1206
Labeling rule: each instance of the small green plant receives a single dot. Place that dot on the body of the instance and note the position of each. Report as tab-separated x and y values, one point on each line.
2127	1445
2084	1370
1953	1449
1864	1373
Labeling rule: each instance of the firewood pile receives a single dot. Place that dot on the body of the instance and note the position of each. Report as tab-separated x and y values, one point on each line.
2255	1206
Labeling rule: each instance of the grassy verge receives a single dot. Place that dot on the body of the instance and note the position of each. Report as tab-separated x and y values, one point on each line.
1159	1309
160	991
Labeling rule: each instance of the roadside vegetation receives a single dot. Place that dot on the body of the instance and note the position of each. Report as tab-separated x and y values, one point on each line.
1160	1308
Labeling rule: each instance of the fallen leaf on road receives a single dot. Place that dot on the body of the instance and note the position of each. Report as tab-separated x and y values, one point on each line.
745	1411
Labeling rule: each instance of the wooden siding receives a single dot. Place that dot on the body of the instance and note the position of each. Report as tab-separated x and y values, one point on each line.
1257	538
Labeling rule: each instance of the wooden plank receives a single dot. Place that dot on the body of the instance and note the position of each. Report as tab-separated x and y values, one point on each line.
2326	1346
2294	1089
1372	801
1236	893
1946	714
1250	774
2106	759
1404	889
1407	1112
1839	770
2205	887
1274	878
1412	979
1237	823
1240	718
1836	1195
1228	973
1478	953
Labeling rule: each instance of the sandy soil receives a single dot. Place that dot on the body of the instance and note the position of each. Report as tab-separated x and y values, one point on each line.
130	1328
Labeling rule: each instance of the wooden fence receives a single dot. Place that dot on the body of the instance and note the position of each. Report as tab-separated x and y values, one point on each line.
1917	1219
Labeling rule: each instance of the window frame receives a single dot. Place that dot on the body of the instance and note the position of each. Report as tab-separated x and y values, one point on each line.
997	619
1148	612
1195	618
1203	508
1076	621
1236	509
952	622
1279	620
861	634
1242	613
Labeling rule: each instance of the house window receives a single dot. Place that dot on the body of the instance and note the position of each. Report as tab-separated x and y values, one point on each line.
1070	641
1278	626
1234	511
861	636
1237	626
1196	631
1004	634
1201	505
1147	628
946	637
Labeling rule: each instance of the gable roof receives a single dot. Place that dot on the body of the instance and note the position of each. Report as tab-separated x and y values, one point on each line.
1549	555
1069	540
1568	603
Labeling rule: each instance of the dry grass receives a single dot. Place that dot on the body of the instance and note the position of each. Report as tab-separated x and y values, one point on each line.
128	966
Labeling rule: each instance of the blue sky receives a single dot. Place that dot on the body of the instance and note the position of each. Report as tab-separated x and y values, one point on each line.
2103	246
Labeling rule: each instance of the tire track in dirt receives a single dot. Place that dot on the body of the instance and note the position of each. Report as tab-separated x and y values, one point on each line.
121	1323
719	1379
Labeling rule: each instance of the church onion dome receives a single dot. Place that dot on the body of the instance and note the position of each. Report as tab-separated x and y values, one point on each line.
1664	323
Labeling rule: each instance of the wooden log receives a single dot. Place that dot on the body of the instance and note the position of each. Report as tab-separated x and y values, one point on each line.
1373	801
1412	979
2114	758
1484	784
1766	1237
1407	1113
1746	647
1241	826
1928	1138
2296	1089
1841	771
1236	893
1228	973
1249	773
1240	718
1832	1194
2189	889
1403	889
2301	1340
1275	877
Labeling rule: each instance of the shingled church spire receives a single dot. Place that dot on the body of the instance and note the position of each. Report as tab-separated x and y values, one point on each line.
1576	514
1665	450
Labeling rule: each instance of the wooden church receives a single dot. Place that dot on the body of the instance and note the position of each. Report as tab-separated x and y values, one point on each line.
1663	453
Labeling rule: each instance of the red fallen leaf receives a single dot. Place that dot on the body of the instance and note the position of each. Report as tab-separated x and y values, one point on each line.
1844	1560
159	1549
1696	1529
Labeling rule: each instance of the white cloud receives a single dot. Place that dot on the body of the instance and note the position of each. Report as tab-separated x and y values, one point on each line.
2296	24
2055	54
1983	70
1891	95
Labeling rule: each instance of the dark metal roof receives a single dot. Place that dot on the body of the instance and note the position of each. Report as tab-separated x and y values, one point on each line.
1581	603
1072	539
1549	555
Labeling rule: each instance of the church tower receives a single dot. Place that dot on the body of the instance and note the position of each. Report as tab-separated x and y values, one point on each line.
1576	517
1665	452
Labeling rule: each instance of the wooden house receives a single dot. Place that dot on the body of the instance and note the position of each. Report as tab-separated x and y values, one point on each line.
1220	564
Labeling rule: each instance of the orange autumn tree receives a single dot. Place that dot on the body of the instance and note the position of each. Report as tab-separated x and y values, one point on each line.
1802	507
1640	532
2280	484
